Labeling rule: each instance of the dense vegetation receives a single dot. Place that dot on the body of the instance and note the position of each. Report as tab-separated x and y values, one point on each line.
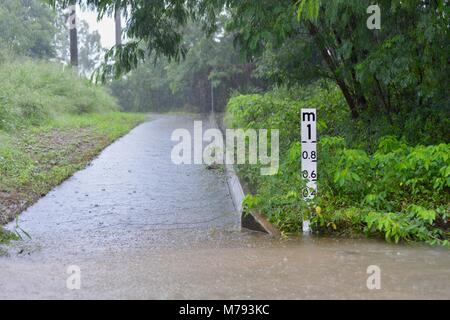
34	92
32	29
384	128
211	70
380	185
401	66
382	96
27	27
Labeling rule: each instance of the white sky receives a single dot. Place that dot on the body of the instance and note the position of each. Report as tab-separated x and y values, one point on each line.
105	27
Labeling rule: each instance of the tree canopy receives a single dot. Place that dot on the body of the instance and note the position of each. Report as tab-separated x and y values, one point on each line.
27	28
403	65
211	70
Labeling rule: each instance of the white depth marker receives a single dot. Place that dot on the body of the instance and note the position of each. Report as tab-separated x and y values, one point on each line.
308	120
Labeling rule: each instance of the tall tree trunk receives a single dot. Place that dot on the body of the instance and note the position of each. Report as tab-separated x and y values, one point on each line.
73	34
352	100
118	27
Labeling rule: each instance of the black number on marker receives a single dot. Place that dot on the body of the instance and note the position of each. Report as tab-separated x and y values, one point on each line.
306	155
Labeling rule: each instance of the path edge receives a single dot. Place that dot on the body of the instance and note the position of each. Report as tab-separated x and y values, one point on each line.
252	220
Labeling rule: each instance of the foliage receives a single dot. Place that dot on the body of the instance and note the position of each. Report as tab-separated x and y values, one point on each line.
211	61
390	188
400	69
31	28
382	99
145	89
32	92
90	46
27	28
6	236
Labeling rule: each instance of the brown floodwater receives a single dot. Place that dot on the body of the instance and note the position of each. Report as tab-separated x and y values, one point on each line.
140	227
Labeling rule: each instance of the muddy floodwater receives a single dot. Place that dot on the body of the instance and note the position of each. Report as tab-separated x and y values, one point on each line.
140	227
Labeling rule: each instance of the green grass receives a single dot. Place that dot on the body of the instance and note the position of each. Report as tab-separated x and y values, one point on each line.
35	92
6	236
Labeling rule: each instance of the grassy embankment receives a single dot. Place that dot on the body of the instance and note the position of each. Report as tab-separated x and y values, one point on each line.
52	123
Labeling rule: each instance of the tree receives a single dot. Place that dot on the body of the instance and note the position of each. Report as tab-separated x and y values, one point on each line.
210	60
398	70
27	28
391	72
90	52
155	27
62	38
385	70
73	34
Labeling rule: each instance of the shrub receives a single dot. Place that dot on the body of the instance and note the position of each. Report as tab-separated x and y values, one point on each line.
381	187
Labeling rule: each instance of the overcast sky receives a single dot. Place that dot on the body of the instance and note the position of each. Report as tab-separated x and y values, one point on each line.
104	27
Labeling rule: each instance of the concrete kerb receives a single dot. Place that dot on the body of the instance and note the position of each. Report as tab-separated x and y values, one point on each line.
253	220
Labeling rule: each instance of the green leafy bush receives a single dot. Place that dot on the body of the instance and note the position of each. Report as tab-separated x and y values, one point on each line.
401	192
383	188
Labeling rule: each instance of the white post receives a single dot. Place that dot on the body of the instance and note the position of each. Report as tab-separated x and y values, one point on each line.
308	120
212	97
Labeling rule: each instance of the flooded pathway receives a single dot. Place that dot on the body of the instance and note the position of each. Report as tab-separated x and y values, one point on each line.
141	227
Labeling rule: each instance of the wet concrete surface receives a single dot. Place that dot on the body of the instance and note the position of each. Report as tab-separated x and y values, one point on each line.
140	227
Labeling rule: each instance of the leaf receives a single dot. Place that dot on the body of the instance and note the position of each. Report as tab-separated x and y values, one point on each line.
312	9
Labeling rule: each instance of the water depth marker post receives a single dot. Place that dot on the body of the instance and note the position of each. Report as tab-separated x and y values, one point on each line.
308	120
